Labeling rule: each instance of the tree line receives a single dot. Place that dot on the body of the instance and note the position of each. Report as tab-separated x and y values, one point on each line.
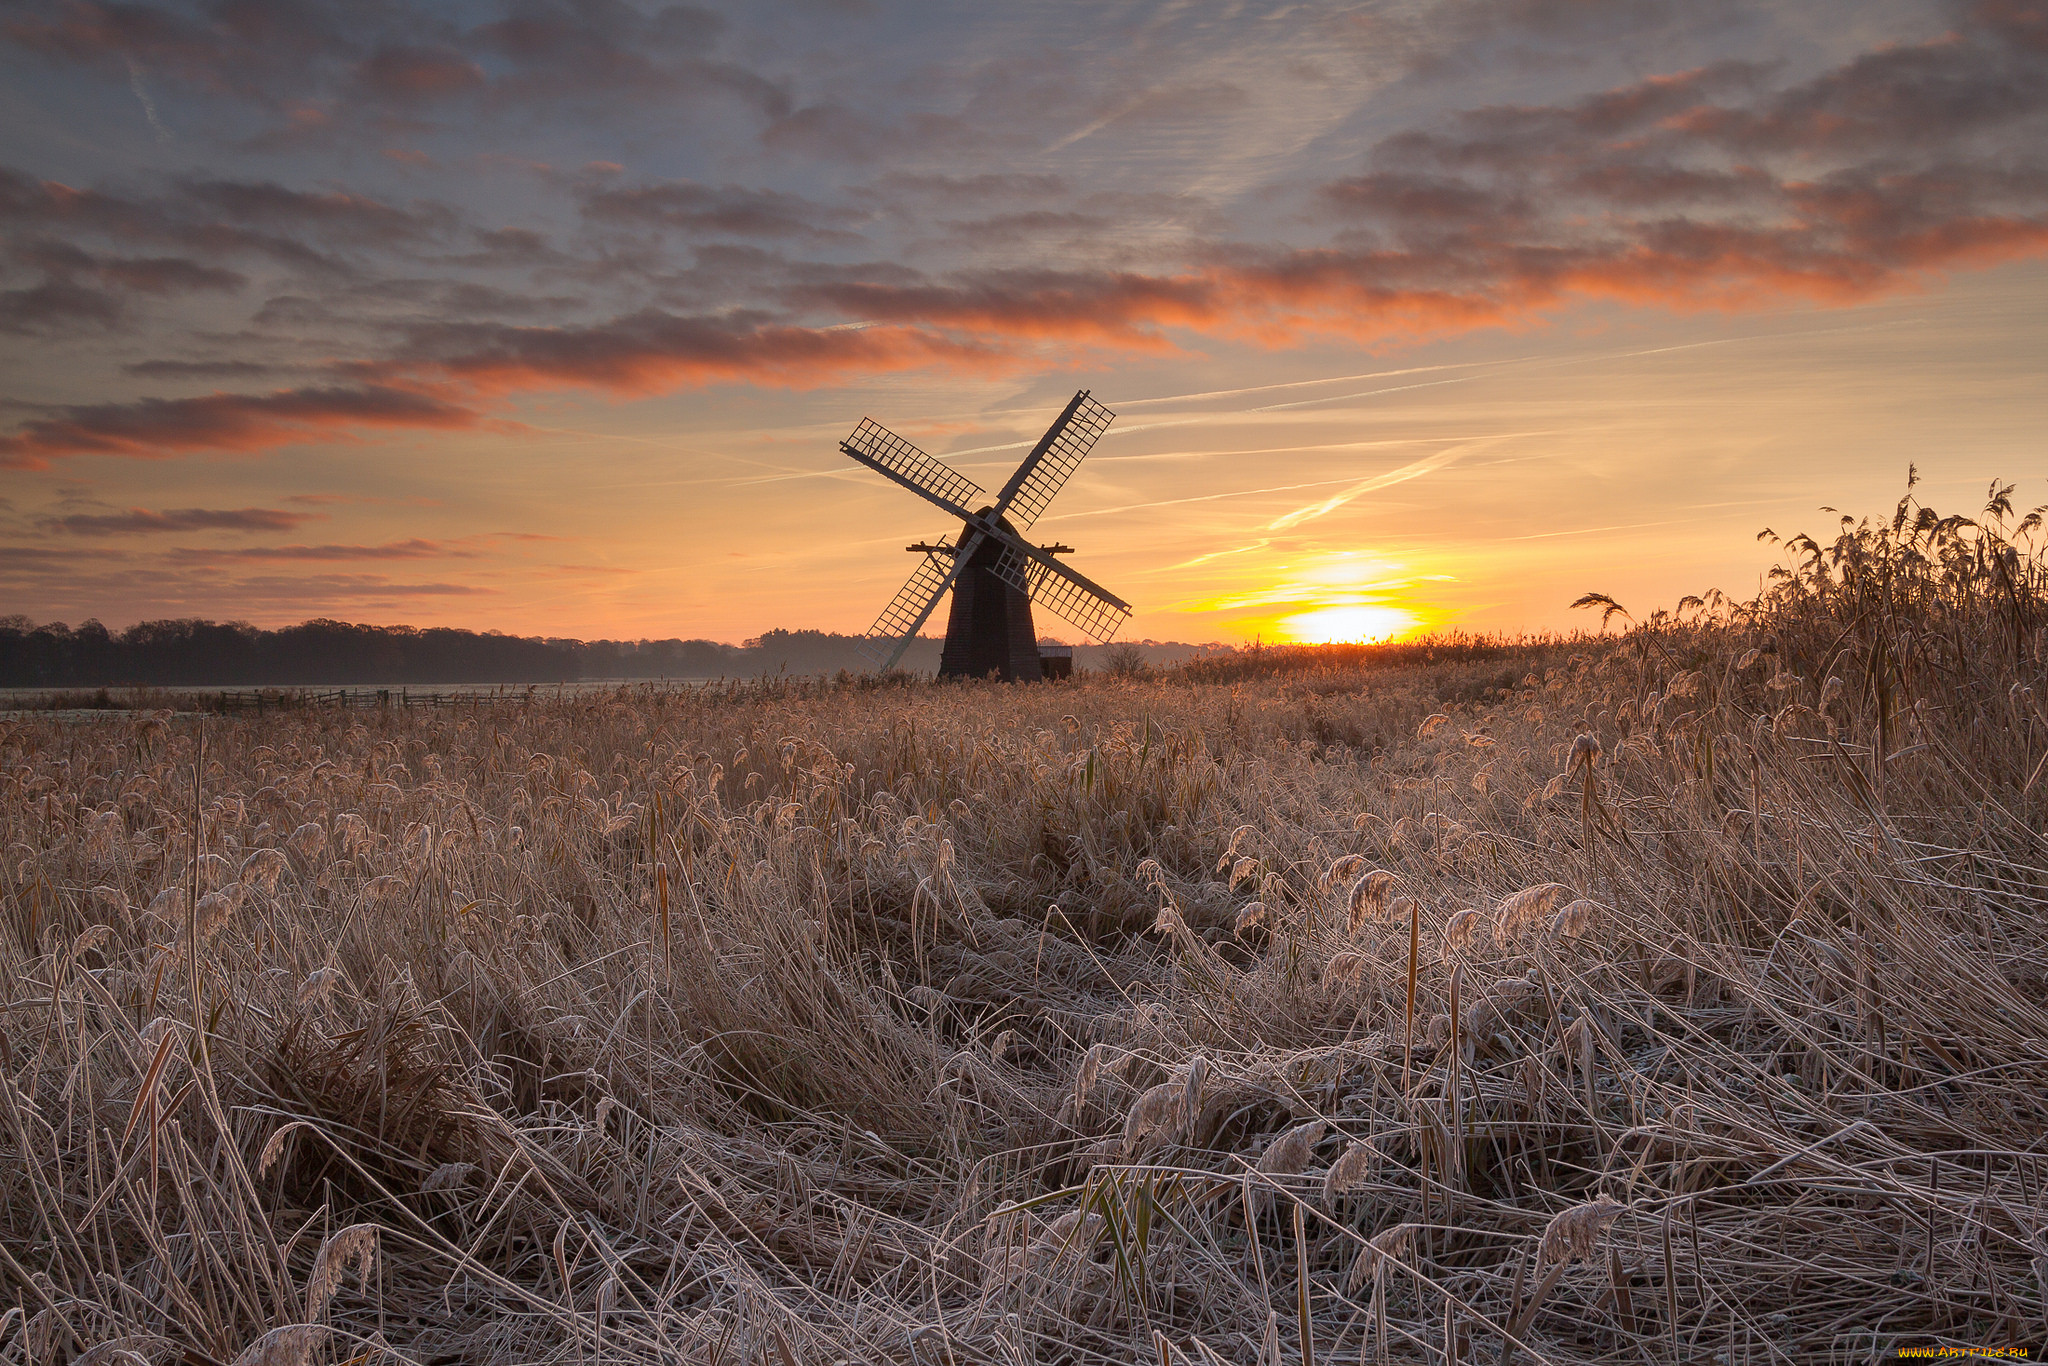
194	653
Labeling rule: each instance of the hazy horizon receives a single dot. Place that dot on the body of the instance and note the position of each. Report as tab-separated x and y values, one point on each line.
1415	314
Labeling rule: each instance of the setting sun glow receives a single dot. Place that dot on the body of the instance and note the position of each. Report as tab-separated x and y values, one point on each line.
1351	622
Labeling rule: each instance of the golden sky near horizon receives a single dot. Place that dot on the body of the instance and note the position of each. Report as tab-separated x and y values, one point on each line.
548	318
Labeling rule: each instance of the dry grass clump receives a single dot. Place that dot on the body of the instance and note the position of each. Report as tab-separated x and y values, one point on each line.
811	1023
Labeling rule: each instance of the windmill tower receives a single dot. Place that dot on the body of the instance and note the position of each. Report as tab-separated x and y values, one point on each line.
994	573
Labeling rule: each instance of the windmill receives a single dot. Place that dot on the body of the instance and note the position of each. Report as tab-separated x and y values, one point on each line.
994	573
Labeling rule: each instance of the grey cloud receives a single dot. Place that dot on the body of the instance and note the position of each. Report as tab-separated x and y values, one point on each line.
42	560
510	248
293	310
56	306
1688	159
168	275
83	292
142	275
413	549
199	369
405	72
355	219
368	588
369	63
898	187
1459	37
1517	137
252	50
170	219
730	210
2022	23
1900	98
466	299
144	520
830	131
1028	228
1414	200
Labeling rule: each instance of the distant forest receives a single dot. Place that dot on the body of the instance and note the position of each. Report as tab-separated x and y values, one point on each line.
207	654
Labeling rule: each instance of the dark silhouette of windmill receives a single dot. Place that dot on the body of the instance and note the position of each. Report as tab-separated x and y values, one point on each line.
994	573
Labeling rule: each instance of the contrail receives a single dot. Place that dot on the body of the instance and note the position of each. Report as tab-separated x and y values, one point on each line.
1308	383
1413	470
163	134
1199	498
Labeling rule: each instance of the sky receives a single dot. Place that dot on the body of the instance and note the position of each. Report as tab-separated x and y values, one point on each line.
548	316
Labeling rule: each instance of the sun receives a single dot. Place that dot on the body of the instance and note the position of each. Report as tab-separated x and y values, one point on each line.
1351	622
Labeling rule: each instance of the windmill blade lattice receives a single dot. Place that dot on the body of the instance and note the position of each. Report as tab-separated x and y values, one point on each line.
1053	460
888	454
912	606
1051	585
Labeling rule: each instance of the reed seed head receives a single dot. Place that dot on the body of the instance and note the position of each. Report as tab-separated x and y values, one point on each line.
292	1345
1351	1170
1289	1153
1385	1248
1154	1117
1345	968
1519	910
318	986
214	911
1252	917
1197	1078
262	869
1574	1234
355	1245
1575	918
1369	897
1349	866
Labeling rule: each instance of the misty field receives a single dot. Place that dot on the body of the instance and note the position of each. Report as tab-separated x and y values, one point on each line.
1673	995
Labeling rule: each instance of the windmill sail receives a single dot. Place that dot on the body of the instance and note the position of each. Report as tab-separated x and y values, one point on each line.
1052	585
1053	460
912	606
886	453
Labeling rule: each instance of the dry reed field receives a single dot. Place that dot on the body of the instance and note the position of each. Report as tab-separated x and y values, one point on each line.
1671	995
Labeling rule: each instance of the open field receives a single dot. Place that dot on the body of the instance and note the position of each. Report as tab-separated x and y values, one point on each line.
1673	996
